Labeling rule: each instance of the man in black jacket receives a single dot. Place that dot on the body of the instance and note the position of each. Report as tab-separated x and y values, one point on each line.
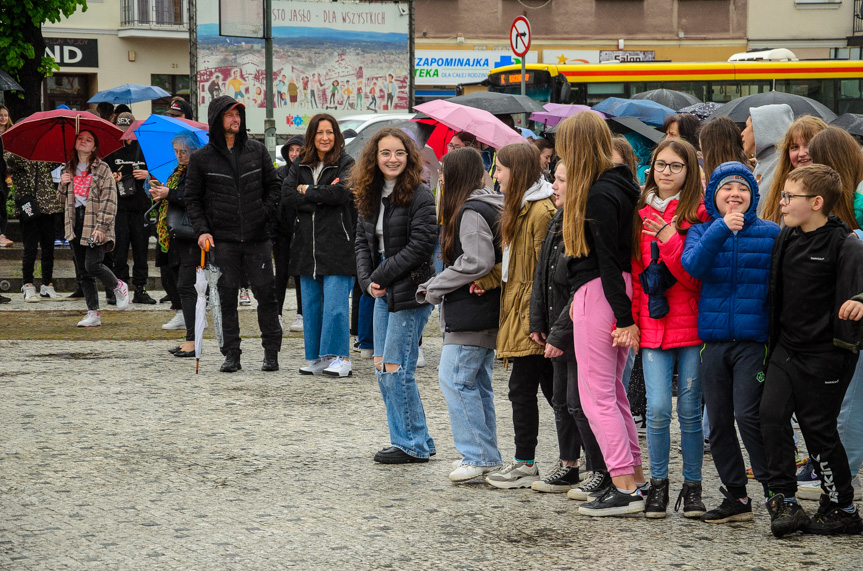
231	190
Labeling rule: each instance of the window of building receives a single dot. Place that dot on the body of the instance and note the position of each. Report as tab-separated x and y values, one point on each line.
173	84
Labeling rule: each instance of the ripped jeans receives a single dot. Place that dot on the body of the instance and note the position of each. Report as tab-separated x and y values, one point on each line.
658	365
397	341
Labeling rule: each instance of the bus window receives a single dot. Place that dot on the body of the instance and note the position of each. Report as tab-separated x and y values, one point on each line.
597	92
725	91
850	96
537	83
821	90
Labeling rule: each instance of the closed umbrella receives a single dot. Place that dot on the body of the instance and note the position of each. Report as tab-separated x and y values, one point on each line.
50	135
129	93
213	274
655	280
486	127
201	284
670	98
738	109
650	112
554	113
8	83
155	136
498	103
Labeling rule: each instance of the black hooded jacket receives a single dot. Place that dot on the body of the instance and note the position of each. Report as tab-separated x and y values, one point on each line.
551	293
231	194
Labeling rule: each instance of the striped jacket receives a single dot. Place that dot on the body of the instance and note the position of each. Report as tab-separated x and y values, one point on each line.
101	205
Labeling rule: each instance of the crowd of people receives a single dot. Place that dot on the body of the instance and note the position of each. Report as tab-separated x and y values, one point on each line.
725	268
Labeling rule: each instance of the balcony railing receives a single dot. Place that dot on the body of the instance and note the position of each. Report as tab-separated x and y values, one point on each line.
858	16
156	14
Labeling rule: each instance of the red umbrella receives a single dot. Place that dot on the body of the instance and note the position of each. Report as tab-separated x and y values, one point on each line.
439	137
129	135
50	135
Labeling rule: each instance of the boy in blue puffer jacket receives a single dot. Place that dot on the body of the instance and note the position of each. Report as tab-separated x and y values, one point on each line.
731	255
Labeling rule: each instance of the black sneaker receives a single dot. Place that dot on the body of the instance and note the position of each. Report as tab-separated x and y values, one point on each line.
141	296
833	520
77	294
690	496
591	488
657	499
4	299
785	517
731	509
561	479
271	360
232	362
110	297
613	502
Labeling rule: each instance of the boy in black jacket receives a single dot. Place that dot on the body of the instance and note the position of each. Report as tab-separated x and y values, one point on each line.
816	280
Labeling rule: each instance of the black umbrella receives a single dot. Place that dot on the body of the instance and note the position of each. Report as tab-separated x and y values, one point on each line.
668	97
499	103
738	109
7	83
420	132
702	110
655	280
851	122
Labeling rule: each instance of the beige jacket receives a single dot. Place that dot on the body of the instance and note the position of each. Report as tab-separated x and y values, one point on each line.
101	206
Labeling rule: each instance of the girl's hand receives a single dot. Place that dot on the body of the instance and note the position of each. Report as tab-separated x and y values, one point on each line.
851	310
378	291
658	228
476	289
98	237
626	337
551	351
158	192
65	178
538	338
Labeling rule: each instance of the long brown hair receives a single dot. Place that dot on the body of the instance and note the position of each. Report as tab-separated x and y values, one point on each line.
367	179
72	165
837	149
310	152
626	152
720	143
805	128
584	145
462	174
690	193
523	161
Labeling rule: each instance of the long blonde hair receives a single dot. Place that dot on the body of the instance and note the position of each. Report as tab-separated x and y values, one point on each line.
584	146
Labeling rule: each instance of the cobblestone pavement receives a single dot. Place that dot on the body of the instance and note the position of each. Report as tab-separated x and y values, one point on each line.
116	455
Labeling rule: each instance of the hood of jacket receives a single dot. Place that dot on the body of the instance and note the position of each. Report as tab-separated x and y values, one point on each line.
621	177
218	107
488	196
539	190
722	171
769	124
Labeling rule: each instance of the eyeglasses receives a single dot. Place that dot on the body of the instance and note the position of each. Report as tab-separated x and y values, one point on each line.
675	167
388	154
451	146
787	196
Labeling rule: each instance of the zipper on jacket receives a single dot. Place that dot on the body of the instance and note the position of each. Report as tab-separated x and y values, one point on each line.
314	253
733	286
345	230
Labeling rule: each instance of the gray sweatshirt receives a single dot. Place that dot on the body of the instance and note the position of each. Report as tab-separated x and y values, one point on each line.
477	241
769	124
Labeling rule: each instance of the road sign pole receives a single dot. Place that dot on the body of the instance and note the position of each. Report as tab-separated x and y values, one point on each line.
523	87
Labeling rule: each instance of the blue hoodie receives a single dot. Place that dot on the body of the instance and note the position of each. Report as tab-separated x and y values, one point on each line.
734	269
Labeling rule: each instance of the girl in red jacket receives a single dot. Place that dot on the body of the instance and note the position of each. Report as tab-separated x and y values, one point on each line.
672	202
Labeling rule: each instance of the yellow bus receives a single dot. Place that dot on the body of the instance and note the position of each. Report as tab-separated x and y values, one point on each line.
836	84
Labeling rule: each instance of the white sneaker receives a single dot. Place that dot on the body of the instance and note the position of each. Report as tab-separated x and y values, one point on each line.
421	359
30	295
464	472
514	475
812	491
121	293
297	325
282	323
340	367
244	297
316	367
48	291
92	320
177	322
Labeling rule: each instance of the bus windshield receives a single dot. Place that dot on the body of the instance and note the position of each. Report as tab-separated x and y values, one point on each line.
538	83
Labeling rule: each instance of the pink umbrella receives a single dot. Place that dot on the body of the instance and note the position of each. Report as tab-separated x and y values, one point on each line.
129	135
556	112
485	126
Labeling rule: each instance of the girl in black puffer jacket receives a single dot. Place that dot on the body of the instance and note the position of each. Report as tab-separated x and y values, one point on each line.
395	241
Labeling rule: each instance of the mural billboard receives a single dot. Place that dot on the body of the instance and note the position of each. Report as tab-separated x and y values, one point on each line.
341	58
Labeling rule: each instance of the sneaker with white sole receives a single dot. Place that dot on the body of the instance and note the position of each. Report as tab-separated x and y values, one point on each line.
340	367
316	367
514	475
121	293
91	320
297	324
421	359
177	322
282	324
591	488
613	502
812	491
465	472
244	297
48	291
560	480
30	295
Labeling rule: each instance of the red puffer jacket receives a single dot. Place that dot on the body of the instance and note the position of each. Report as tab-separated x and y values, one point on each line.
679	328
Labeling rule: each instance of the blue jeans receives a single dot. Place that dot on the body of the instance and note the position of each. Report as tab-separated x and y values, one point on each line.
464	374
627	372
326	319
658	367
365	322
851	420
397	341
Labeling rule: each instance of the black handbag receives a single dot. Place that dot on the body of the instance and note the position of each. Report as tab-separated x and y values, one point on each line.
178	224
27	205
465	311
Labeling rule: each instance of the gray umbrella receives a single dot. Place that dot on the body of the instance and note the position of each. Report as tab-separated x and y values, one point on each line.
851	122
738	109
499	103
668	97
7	83
213	275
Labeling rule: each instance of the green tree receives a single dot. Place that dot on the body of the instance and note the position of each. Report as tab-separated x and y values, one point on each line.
23	47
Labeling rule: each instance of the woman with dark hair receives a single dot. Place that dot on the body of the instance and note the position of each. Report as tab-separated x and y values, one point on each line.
395	240
90	195
838	150
682	126
470	247
5	123
322	247
720	143
176	255
527	210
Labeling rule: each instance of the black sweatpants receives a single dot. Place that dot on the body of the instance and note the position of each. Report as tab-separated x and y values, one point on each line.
252	262
573	428
812	386
130	229
528	374
281	258
732	378
38	233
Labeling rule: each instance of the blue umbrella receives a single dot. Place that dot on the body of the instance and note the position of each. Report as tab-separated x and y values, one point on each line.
155	135
648	111
655	279
128	94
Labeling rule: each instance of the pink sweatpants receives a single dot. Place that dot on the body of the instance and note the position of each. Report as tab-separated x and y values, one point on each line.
600	370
